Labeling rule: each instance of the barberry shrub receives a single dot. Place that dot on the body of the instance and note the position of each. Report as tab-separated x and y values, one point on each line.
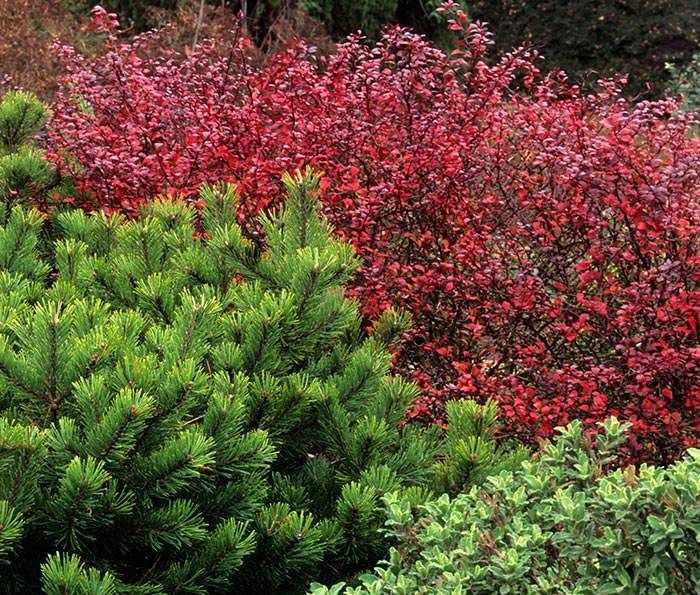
544	240
183	412
25	175
560	524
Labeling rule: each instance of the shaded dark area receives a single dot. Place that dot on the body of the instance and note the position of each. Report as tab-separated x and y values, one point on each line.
340	17
592	38
588	39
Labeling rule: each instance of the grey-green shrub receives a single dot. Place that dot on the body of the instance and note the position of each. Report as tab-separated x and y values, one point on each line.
686	81
560	524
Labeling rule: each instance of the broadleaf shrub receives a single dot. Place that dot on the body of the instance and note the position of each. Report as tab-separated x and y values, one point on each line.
685	80
544	240
560	524
182	412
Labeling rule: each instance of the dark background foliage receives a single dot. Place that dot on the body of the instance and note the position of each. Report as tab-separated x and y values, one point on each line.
589	38
586	38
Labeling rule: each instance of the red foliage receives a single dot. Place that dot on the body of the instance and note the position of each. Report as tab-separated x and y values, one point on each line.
545	240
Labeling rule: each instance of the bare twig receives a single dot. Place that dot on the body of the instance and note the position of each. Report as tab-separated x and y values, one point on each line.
200	18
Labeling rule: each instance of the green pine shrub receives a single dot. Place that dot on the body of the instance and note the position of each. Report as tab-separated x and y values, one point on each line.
560	524
22	115
182	412
25	176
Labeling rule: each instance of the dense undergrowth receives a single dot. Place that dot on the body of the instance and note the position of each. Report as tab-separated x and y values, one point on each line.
217	377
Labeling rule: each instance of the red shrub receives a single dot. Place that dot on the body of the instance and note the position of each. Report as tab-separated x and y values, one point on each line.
545	241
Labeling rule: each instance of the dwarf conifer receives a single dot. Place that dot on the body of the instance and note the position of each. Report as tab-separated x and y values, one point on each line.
182	411
24	173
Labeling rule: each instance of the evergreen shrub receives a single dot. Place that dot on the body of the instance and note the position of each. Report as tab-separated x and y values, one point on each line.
182	411
25	176
685	80
560	524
